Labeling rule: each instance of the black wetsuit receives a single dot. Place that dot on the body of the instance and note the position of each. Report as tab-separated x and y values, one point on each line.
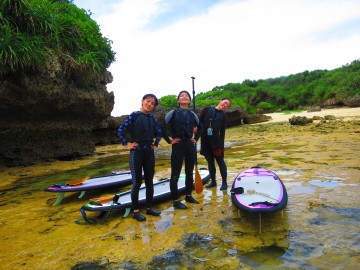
143	129
182	123
212	146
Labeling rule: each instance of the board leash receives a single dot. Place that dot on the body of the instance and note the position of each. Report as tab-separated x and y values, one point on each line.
102	216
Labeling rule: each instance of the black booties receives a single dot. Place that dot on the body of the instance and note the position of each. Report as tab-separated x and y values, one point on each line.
212	184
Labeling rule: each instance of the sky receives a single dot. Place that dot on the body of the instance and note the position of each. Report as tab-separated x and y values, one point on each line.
161	44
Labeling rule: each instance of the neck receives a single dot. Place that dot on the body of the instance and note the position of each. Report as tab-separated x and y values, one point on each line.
184	106
143	111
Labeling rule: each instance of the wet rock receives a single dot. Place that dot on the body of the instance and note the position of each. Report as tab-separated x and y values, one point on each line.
352	101
332	102
196	238
314	109
330	117
319	118
256	118
48	115
300	120
94	265
167	259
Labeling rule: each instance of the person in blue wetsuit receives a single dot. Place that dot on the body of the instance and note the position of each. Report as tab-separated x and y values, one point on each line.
213	120
182	122
143	128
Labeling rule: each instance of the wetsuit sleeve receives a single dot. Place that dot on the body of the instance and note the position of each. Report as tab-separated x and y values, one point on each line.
121	130
202	114
158	132
199	126
165	124
223	127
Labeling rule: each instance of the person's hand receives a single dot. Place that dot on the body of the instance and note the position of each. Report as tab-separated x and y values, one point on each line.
131	146
153	147
175	140
193	140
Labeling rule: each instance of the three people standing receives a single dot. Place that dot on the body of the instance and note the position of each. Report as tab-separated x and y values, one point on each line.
185	130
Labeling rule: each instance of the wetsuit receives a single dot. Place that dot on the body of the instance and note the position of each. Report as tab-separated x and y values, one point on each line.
212	146
182	123
143	128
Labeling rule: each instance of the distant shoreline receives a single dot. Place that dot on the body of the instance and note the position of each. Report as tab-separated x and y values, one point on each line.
344	113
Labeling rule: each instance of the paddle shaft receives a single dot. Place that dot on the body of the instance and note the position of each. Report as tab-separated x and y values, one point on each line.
194	109
198	180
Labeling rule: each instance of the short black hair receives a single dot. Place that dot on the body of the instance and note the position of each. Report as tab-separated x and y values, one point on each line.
184	91
151	96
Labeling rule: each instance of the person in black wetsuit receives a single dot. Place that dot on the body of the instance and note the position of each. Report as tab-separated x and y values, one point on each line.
143	128
213	120
182	122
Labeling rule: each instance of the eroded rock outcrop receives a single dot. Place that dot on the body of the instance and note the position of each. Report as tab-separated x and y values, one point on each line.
50	115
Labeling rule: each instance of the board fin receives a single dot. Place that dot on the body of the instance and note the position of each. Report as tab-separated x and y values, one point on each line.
59	198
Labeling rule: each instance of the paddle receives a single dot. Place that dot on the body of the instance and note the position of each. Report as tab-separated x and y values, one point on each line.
105	199
76	182
198	181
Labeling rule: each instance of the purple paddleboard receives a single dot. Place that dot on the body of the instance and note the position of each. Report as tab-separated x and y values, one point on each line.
258	190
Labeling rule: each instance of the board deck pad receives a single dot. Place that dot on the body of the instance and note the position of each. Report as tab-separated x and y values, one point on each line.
258	190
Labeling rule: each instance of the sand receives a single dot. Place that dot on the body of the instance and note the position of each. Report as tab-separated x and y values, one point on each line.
345	114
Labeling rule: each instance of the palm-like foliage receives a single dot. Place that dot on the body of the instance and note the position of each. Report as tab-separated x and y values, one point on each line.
34	31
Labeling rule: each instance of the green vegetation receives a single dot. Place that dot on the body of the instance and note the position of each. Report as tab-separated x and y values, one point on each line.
291	92
33	32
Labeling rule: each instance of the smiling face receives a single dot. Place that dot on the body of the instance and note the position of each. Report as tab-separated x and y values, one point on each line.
148	104
184	99
223	105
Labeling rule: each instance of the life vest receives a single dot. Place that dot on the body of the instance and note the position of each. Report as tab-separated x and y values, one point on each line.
213	119
143	129
182	124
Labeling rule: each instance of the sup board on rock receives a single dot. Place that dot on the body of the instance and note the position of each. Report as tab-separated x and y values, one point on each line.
114	179
123	200
258	190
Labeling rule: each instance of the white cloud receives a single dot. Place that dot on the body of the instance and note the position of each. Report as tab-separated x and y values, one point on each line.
230	42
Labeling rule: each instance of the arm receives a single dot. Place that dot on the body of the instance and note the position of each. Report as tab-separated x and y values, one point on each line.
223	127
158	133
121	130
199	127
164	125
203	113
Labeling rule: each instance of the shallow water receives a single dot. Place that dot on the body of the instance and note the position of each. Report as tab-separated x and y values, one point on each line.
319	229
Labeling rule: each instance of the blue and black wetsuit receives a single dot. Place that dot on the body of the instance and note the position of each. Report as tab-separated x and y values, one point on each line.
182	123
143	128
212	146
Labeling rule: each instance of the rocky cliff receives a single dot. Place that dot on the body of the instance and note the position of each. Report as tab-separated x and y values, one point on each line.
50	115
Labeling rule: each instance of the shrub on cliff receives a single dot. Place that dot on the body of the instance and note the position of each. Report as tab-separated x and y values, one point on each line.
34	31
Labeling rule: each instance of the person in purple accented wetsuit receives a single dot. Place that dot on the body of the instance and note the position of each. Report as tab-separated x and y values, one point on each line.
143	128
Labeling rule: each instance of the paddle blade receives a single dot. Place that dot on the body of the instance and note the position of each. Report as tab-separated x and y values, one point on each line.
77	181
101	200
198	181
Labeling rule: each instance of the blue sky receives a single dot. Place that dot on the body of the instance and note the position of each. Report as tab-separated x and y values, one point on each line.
161	44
